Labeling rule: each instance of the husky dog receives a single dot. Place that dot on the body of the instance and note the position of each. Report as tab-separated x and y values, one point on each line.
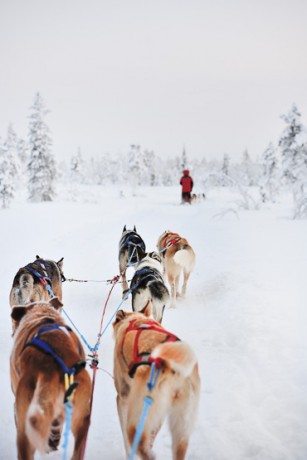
131	247
178	256
39	280
147	284
139	342
44	350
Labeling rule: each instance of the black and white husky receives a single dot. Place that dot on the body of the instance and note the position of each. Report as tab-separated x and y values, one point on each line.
131	249
147	285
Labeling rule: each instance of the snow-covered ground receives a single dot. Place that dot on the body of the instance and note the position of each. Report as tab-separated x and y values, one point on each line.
245	313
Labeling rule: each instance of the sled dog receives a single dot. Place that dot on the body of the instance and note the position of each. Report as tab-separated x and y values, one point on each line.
178	256
139	342
131	249
148	284
39	280
44	350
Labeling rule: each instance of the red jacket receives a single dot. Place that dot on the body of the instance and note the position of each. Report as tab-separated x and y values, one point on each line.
187	183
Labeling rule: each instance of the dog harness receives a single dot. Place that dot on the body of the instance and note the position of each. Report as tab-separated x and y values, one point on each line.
144	274
170	243
144	358
133	241
43	346
43	278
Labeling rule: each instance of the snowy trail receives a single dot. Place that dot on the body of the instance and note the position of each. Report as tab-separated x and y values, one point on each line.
244	314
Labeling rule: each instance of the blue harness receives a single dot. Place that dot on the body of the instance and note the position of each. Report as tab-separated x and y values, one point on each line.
44	279
40	344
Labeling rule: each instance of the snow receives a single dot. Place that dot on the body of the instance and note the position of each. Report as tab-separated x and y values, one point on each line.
244	314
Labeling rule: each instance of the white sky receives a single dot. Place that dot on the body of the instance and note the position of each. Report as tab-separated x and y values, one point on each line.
213	75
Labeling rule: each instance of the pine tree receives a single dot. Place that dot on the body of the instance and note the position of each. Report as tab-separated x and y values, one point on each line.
23	156
291	146
77	168
135	166
41	166
11	152
247	169
225	169
184	159
269	182
7	176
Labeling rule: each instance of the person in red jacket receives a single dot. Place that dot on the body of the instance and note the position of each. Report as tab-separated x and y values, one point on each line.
186	183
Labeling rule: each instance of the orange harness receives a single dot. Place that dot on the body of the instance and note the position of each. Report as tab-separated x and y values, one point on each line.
144	357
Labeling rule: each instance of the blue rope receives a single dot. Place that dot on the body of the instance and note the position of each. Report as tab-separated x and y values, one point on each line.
154	374
48	287
68	413
111	319
82	337
41	277
95	348
147	403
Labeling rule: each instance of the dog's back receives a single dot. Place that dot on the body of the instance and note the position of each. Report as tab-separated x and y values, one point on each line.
147	284
27	286
22	288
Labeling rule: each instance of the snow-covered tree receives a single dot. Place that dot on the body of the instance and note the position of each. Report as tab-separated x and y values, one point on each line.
184	159
225	169
23	155
136	167
291	145
7	176
77	168
10	147
269	181
41	167
150	162
247	170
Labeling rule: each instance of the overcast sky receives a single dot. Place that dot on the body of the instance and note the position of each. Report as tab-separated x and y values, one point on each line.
213	75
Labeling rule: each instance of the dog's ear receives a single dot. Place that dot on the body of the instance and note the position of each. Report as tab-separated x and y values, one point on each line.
147	310
155	255
19	311
60	263
134	228
124	229
55	303
120	315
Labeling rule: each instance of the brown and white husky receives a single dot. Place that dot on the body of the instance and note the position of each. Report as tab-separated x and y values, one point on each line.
44	350
178	257
139	342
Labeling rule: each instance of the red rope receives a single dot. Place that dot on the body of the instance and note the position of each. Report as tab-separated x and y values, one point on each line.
94	364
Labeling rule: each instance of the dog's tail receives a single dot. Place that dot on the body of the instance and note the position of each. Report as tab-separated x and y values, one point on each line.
178	356
45	417
185	257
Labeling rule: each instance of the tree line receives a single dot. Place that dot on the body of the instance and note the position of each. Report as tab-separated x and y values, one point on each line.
31	164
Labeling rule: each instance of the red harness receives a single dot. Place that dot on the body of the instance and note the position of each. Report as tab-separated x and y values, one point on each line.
144	357
171	242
